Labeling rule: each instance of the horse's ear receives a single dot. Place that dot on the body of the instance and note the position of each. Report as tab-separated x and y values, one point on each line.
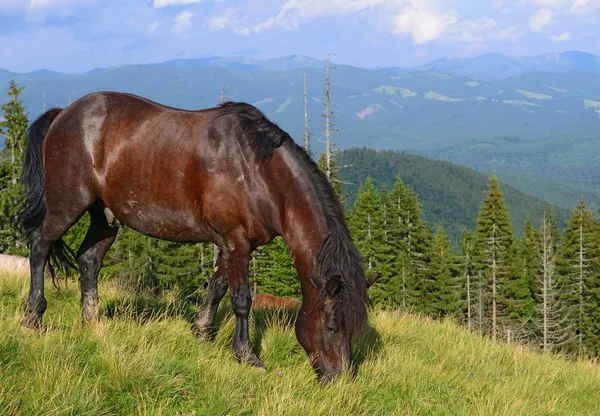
373	280
333	285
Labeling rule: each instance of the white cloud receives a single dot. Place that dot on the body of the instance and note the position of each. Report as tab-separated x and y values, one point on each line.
562	37
423	21
540	19
294	11
423	25
472	31
510	34
166	3
584	6
229	20
183	21
152	27
548	3
42	4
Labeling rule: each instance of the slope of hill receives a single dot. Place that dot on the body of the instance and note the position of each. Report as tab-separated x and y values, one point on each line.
449	194
141	358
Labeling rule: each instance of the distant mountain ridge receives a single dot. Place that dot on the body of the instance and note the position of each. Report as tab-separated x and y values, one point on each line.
549	123
496	66
488	67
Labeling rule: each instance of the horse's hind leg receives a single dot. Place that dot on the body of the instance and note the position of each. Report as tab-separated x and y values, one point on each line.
204	326
36	302
90	255
42	240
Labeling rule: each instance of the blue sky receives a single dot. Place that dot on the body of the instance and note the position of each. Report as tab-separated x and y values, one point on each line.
78	35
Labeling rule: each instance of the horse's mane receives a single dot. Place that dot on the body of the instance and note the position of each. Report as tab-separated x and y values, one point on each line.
337	254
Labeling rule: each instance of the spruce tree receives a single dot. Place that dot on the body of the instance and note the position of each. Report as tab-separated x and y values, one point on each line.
407	241
366	225
14	130
442	289
494	240
578	265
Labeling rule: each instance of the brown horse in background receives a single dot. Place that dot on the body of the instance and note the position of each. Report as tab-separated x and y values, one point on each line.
269	301
224	175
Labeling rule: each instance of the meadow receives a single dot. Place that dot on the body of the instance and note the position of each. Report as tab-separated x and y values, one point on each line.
141	358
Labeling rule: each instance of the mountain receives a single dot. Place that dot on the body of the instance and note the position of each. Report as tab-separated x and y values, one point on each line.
449	194
431	113
495	66
238	63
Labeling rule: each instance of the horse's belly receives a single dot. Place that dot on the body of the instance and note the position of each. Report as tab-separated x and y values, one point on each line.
167	223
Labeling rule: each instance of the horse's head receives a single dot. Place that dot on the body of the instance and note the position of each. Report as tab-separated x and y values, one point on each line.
321	331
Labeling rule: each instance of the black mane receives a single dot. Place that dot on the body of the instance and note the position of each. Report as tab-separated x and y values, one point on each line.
265	136
337	254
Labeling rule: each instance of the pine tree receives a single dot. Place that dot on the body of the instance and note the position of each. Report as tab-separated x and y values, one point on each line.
14	130
524	269
442	290
578	265
494	240
366	225
406	249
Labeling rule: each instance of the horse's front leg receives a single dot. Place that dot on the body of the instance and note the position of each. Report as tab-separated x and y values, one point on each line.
235	259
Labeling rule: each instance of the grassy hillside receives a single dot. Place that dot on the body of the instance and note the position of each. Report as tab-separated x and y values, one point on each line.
141	358
450	194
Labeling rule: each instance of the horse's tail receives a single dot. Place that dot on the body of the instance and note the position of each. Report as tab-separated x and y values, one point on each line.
31	209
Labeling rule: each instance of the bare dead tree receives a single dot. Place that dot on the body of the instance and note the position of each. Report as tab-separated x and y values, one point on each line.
307	134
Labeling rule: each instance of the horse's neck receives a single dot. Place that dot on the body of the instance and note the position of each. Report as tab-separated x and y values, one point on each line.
304	230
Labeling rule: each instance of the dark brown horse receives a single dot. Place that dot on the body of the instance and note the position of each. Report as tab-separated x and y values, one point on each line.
225	175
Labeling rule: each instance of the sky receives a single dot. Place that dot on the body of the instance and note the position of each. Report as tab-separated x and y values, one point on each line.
78	35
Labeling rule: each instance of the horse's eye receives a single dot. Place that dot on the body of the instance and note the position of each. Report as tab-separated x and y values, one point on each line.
331	328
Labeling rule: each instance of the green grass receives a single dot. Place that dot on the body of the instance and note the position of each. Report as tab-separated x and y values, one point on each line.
141	358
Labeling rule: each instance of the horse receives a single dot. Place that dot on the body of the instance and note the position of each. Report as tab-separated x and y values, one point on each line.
225	175
269	301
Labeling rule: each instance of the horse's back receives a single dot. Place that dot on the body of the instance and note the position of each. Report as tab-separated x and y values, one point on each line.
170	173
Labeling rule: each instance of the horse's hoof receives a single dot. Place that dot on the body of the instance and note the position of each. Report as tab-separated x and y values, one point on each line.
202	334
252	359
32	321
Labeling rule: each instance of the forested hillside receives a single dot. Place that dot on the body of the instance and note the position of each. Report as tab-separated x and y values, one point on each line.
449	194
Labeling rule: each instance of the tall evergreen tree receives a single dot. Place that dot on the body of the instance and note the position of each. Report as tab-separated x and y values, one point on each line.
442	292
494	240
14	130
578	264
366	225
409	241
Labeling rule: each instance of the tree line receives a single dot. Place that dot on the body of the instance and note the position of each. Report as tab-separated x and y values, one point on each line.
542	288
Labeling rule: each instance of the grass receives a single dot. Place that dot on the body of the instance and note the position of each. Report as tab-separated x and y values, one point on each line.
141	358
